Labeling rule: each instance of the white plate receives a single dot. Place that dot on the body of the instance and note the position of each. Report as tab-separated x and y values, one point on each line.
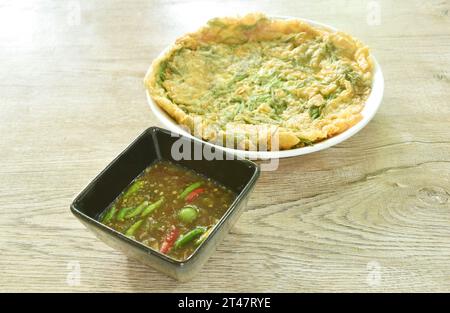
370	108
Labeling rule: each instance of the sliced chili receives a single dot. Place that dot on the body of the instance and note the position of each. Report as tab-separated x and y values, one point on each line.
169	240
194	194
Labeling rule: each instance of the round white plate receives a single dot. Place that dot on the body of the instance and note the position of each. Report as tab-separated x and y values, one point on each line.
370	108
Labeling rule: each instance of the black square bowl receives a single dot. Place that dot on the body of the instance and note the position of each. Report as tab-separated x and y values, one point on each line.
152	145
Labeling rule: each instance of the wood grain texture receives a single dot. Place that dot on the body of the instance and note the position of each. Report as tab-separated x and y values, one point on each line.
370	214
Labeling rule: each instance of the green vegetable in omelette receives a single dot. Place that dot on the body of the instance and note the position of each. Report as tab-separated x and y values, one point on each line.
162	70
315	111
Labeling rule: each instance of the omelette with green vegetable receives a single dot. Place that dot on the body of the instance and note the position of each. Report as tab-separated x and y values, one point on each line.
169	208
237	77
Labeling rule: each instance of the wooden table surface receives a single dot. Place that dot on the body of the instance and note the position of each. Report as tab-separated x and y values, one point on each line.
370	214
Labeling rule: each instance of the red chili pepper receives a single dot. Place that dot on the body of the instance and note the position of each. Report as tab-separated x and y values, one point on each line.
169	240
194	194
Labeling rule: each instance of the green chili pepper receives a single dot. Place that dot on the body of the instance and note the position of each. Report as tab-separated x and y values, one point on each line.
153	206
133	228
188	214
203	236
109	215
122	213
136	211
188	237
133	188
189	189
